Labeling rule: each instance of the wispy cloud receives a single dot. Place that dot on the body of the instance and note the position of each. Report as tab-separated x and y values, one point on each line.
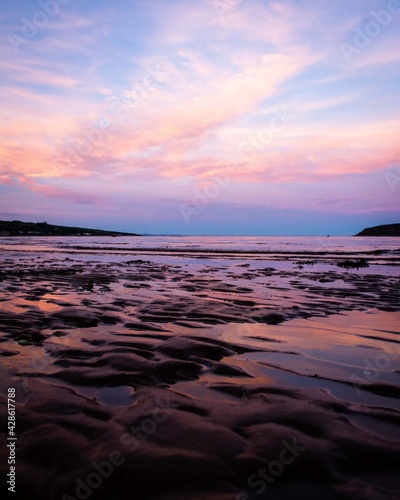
87	103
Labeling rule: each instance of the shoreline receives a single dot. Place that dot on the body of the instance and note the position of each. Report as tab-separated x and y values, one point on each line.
201	370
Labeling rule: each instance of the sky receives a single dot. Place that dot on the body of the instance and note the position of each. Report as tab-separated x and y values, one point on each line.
250	117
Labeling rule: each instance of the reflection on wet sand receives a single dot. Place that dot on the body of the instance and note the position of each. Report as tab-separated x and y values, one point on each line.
200	368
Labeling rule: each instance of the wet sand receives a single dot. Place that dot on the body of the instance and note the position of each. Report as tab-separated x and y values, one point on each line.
201	376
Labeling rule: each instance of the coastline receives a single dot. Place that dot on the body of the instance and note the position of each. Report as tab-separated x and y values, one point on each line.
199	372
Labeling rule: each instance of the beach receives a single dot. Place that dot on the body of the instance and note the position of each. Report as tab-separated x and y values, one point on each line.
170	368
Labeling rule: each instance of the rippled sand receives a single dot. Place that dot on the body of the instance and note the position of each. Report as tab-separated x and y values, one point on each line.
193	376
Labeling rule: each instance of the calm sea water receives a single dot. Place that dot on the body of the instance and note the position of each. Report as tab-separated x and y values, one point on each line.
270	244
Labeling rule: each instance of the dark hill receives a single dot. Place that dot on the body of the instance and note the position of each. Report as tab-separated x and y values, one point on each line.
385	230
18	228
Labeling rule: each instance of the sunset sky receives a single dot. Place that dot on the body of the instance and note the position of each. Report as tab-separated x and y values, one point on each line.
200	116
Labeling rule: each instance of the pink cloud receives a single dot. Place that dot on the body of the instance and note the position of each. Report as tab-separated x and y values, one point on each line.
63	193
190	126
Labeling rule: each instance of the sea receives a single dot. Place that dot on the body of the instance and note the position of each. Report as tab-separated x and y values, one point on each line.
362	246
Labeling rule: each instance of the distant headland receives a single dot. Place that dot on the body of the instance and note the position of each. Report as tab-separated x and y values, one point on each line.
18	228
385	230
